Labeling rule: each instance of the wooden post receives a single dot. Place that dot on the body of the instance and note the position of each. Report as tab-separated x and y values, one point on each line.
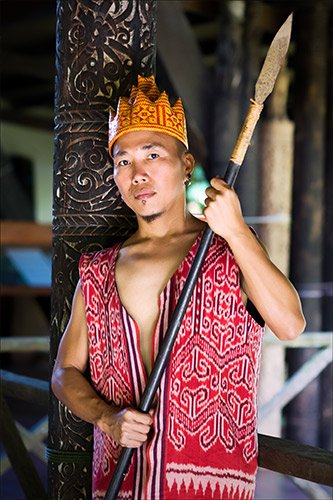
19	457
311	29
238	66
248	183
276	178
326	395
226	114
101	48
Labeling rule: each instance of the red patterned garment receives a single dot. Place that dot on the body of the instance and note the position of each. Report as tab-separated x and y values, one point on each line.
204	439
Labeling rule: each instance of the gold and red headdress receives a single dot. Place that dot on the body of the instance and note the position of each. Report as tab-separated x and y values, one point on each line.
147	109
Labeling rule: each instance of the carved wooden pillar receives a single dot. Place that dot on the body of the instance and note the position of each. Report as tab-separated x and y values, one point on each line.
101	48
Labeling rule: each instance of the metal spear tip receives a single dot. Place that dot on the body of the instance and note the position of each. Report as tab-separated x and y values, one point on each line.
273	61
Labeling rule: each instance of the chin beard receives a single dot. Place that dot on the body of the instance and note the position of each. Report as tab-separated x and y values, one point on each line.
151	218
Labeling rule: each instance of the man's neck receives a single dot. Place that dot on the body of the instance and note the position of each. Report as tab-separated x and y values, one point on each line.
163	227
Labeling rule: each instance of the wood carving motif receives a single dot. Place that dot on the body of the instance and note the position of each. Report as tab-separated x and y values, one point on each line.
101	48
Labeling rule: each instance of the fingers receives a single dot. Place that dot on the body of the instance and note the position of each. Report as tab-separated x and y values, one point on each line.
134	428
217	187
135	417
223	211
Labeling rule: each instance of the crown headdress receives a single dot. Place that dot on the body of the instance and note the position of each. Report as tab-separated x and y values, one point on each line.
147	109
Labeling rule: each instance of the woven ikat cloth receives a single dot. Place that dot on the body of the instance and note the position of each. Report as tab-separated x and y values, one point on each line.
204	439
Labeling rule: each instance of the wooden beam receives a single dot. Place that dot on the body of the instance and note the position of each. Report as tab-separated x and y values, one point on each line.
25	344
185	67
204	8
25	233
24	388
24	291
296	459
311	490
308	339
276	454
297	382
19	457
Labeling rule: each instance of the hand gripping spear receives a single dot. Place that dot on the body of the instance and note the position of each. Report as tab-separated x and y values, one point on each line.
264	86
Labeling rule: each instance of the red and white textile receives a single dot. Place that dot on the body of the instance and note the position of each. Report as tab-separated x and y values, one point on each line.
204	439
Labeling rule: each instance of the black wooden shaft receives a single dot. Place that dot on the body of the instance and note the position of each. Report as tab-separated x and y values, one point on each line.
168	341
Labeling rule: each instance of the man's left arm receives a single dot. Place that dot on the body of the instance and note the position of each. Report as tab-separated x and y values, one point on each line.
264	284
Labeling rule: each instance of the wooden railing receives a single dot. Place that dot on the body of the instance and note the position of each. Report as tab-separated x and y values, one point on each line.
35	391
276	454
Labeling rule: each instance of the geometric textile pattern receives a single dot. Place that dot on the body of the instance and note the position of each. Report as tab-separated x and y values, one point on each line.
147	109
204	439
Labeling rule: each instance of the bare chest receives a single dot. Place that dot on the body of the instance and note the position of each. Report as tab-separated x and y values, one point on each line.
141	277
140	282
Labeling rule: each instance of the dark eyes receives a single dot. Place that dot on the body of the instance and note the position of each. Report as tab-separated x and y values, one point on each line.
125	163
122	163
153	156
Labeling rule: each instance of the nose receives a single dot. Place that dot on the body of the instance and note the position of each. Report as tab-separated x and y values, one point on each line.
139	173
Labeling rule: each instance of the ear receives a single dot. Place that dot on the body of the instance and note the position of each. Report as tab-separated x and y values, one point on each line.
188	162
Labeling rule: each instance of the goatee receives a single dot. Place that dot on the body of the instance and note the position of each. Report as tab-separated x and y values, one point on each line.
151	218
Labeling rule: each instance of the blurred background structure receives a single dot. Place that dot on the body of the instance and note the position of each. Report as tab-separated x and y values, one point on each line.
55	173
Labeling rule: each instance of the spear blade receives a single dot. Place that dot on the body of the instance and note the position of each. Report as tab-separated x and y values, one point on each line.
273	62
263	87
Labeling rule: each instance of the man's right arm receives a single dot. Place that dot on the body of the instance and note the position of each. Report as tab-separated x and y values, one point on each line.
127	427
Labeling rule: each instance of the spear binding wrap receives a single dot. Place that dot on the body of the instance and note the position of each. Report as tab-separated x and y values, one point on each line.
264	86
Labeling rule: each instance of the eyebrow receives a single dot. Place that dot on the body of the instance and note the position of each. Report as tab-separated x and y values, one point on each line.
153	145
146	147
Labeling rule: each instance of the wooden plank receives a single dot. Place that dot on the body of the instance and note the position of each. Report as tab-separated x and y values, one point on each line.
205	9
24	291
185	67
276	454
25	344
312	490
308	339
296	459
25	233
297	382
33	441
19	457
24	388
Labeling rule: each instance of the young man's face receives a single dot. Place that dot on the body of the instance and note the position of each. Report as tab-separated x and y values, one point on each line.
150	169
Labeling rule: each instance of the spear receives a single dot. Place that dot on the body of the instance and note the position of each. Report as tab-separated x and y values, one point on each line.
263	88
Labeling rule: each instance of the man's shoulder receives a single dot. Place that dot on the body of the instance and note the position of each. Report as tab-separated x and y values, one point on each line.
97	257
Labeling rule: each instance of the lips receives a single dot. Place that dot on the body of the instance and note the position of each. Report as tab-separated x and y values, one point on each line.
144	194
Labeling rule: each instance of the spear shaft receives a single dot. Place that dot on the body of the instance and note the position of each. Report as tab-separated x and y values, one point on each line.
264	86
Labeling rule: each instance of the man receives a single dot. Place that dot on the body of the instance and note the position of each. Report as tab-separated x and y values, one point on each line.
199	440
